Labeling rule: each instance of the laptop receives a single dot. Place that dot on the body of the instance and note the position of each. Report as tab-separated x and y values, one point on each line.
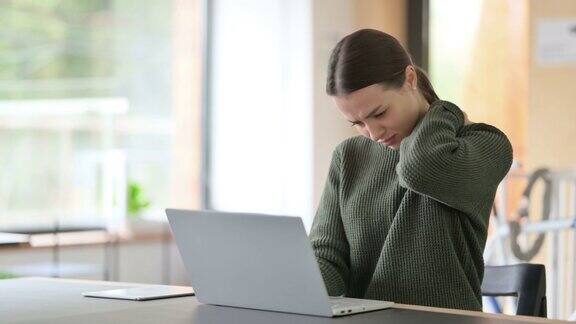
256	261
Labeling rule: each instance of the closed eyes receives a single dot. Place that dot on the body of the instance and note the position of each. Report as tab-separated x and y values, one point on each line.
359	123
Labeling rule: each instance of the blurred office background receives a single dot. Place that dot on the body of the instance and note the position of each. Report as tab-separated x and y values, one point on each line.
112	110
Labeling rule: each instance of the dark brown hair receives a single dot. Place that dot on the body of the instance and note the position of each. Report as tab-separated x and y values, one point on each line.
368	57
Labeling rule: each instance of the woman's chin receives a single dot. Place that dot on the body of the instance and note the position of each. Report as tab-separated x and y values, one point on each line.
393	146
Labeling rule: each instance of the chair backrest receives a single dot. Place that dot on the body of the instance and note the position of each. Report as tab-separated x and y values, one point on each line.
525	281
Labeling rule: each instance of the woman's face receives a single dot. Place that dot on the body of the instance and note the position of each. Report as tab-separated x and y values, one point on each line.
385	115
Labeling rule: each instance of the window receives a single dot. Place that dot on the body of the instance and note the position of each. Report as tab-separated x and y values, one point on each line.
451	48
85	108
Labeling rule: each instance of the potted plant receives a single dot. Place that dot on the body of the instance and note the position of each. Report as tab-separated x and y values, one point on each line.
136	204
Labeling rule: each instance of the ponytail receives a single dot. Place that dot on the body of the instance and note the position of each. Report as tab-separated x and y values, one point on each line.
425	86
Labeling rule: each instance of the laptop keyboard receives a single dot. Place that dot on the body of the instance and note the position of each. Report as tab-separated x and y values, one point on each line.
349	302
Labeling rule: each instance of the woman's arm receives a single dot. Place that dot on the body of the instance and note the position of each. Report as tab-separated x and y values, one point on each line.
327	235
456	165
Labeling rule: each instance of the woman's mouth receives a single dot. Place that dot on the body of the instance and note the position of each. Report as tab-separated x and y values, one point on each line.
388	141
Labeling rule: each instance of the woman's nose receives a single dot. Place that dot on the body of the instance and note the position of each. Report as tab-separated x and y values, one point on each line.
376	132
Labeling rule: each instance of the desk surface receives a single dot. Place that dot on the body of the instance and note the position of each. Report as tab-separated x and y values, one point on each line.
46	300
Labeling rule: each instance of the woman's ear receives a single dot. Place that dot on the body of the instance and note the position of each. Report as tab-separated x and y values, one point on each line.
411	81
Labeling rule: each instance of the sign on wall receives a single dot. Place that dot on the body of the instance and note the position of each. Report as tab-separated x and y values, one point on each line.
556	42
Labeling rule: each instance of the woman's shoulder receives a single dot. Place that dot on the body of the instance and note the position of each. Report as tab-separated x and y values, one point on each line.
480	129
362	147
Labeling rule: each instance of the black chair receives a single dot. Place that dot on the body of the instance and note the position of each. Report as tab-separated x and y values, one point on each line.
525	281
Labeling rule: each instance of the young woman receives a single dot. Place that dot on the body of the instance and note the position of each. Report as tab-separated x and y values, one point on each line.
404	212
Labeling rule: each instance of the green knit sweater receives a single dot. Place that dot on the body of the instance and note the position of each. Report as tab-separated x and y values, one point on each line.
410	225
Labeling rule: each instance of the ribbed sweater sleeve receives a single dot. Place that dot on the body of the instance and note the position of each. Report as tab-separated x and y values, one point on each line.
327	234
460	166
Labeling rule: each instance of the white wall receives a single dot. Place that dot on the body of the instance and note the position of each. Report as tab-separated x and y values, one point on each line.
261	107
332	20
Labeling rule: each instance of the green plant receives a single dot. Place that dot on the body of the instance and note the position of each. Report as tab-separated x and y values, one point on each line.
136	200
6	275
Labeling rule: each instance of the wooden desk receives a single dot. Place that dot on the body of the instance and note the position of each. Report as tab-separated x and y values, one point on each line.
47	300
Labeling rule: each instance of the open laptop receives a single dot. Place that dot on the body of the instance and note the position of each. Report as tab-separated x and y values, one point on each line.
256	261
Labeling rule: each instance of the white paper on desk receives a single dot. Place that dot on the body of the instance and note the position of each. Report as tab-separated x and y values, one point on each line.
556	42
